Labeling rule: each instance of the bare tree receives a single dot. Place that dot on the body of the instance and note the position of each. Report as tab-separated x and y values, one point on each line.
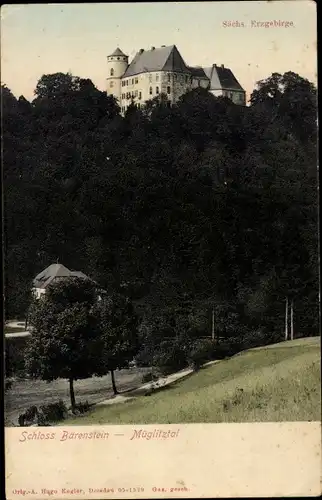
286	318
292	320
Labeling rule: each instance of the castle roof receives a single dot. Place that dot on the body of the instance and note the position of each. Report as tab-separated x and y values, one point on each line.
198	72
117	52
222	78
161	59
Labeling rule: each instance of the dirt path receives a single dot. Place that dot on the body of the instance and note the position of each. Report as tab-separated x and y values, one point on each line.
25	393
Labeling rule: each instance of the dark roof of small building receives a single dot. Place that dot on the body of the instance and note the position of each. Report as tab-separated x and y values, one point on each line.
198	72
117	52
228	79
54	271
222	78
47	275
161	59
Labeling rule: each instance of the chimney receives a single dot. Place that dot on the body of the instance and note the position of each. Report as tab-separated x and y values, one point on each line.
152	48
141	50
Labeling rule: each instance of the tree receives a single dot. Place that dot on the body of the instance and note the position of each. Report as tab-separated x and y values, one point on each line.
119	329
17	122
66	340
203	199
291	98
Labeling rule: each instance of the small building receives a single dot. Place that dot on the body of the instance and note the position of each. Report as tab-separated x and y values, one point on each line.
50	274
224	83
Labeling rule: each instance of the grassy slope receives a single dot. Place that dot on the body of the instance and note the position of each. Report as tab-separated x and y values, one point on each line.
269	384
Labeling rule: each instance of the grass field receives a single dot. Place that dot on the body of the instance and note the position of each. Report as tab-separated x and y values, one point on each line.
277	383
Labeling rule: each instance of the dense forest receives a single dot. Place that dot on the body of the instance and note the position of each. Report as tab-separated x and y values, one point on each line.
197	211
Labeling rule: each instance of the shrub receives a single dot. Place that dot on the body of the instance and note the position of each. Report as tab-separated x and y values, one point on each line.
201	351
228	347
82	407
52	412
171	356
256	338
144	357
149	377
29	417
8	384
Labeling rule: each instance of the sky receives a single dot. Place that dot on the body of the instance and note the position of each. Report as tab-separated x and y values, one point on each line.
49	38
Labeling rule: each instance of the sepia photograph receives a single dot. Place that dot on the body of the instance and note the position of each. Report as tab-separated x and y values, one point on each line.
161	215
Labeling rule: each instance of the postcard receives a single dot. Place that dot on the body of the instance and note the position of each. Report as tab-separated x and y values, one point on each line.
161	250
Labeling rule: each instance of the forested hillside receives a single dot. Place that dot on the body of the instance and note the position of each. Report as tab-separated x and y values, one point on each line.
205	206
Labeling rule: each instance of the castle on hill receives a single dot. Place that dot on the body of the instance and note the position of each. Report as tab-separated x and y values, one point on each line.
163	71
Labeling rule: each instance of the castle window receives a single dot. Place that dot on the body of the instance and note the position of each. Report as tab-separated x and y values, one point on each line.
140	95
111	84
156	78
157	90
150	90
132	81
187	78
136	80
168	90
136	93
112	72
118	58
150	78
169	77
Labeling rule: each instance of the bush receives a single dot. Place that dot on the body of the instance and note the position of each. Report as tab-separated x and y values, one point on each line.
52	412
228	347
8	384
223	350
144	357
171	356
29	417
201	351
257	338
82	407
149	377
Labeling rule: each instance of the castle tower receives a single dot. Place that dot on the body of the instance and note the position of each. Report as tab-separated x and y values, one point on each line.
117	64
